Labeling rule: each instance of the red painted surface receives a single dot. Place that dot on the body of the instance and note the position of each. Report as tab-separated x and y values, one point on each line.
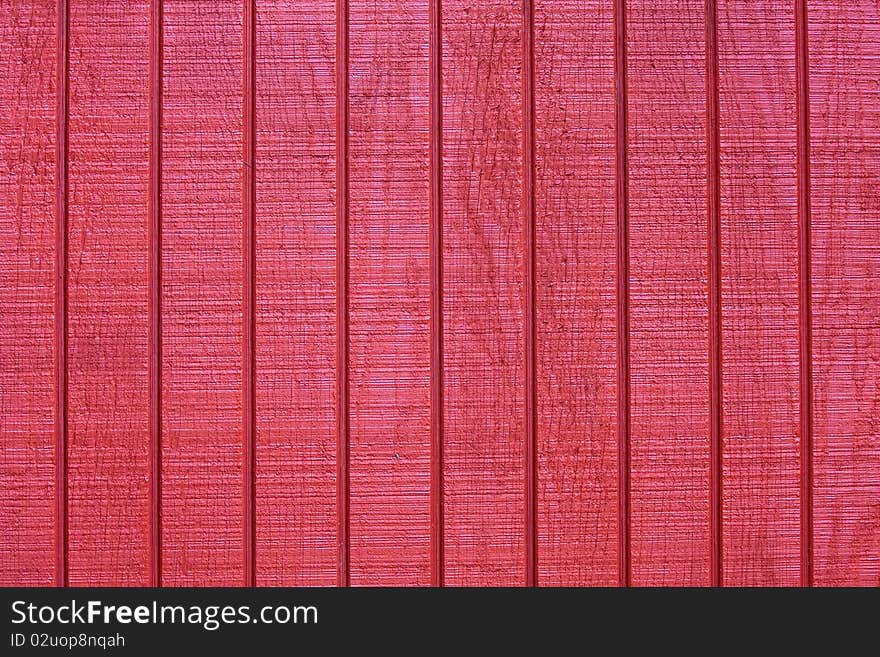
844	163
108	302
671	538
27	294
484	296
296	295
203	438
480	292
389	295
576	282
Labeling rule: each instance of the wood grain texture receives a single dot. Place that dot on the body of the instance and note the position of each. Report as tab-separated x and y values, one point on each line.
108	401
689	334
759	227
202	450
296	292
27	294
389	299
669	340
483	364
576	305
844	55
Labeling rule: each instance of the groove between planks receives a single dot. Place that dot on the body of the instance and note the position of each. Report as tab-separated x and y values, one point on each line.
528	191
342	396
622	275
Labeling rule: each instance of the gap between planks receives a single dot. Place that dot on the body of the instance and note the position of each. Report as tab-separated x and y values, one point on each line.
621	192
249	420
155	307
343	575
61	207
528	200
713	178
436	249
805	341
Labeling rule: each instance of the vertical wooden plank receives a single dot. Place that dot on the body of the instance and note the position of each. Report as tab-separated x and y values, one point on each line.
296	279
670	455
389	357
844	111
108	295
155	275
759	293
576	304
27	294
202	450
484	445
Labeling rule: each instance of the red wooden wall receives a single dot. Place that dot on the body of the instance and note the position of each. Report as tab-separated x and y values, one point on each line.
471	292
